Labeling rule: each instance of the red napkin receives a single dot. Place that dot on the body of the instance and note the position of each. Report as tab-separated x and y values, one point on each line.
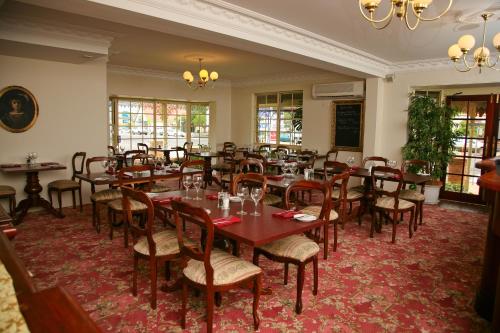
165	201
211	196
287	214
223	221
10	165
275	177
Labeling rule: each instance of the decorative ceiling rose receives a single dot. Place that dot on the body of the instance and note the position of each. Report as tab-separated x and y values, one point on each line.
399	8
481	56
203	77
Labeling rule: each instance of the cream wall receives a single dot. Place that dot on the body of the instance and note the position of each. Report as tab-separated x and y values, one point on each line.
136	85
72	104
317	116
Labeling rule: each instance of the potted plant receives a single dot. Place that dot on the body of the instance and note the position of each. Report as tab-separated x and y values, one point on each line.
431	137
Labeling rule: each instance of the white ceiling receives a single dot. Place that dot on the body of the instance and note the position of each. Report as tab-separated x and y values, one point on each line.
149	42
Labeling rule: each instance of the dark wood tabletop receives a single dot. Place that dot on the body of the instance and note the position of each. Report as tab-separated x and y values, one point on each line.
252	230
24	168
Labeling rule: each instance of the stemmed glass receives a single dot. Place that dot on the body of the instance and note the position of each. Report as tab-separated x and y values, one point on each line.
350	161
256	195
392	163
197	181
112	163
122	149
242	193
187	181
293	169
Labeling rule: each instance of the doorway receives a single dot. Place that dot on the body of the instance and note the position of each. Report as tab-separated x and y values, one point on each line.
477	121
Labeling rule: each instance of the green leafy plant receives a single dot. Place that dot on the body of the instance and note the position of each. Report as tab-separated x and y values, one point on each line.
431	134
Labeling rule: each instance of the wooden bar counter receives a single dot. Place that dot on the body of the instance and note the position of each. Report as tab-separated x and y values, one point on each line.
488	296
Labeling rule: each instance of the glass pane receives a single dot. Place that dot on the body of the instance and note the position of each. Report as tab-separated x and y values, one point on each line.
123	119
459	147
476	128
456	165
477	109
135	107
460	126
475	147
136	119
470	185
297	99
462	108
453	183
286	100
124	106
272	99
148	120
285	138
148	131
159	119
148	107
124	132
261	99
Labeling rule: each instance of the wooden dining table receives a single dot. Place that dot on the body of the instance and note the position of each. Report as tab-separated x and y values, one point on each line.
33	186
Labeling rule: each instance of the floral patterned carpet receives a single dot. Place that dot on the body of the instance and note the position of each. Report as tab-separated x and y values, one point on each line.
423	284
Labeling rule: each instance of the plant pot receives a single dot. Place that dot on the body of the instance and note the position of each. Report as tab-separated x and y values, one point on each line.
432	193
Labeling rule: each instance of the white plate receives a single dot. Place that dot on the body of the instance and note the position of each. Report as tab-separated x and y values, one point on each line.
234	199
101	178
305	217
423	174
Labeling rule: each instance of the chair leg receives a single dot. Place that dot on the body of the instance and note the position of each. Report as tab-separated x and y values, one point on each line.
394	219
218	299
285	277
153	267
256	296
372	228
134	276
50	197
80	196
73	195
335	237
210	310
59	200
300	286
110	222
184	304
421	211
167	271
315	275
417	213
12	208
412	220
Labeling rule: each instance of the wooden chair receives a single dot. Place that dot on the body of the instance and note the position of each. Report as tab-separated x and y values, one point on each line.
8	192
141	158
143	147
331	155
351	195
414	196
388	203
262	159
339	201
195	164
377	160
116	206
225	163
63	185
127	156
101	197
264	149
111	150
298	249
158	248
212	270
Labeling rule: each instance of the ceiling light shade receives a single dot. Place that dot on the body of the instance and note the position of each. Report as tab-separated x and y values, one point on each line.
466	42
481	56
203	77
401	9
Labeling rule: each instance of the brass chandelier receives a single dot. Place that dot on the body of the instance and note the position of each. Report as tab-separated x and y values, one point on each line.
481	56
399	8
203	77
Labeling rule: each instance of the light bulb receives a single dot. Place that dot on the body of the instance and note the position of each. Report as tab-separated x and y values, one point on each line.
204	75
370	5
496	41
454	52
481	53
214	76
186	75
466	42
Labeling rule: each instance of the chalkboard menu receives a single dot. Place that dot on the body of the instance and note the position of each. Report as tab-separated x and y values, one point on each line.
347	126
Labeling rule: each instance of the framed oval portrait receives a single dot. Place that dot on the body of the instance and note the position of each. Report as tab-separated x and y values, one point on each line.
18	109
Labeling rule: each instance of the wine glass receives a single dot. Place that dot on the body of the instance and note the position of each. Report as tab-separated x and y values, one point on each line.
392	163
112	164
187	181
293	169
256	195
197	181
242	193
350	161
122	149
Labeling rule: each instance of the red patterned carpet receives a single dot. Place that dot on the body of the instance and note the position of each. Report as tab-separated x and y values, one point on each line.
423	284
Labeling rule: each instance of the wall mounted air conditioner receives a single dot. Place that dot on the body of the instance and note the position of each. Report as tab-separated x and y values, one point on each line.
338	91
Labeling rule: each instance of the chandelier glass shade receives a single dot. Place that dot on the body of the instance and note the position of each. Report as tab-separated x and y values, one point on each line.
400	9
481	56
203	77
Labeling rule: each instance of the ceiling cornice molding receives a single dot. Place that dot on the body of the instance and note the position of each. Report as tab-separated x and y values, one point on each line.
154	73
27	31
224	18
422	65
285	78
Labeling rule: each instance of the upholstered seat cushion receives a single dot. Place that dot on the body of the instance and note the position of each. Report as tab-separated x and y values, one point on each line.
388	203
160	188
11	318
166	243
7	190
316	210
227	269
351	195
272	199
297	247
411	195
117	204
63	184
106	195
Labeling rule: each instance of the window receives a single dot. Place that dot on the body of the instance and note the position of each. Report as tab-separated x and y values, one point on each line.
279	118
157	123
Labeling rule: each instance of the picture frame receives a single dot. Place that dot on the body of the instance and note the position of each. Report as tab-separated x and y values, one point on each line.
18	109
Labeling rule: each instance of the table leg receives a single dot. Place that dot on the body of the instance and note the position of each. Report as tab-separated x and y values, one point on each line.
33	189
207	166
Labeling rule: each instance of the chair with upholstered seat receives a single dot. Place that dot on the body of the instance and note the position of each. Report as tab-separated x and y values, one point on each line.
388	203
417	197
64	185
212	270
225	163
127	156
158	248
331	155
143	147
264	149
101	197
298	249
374	160
8	192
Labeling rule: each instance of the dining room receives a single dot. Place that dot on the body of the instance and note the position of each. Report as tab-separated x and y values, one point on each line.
98	75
